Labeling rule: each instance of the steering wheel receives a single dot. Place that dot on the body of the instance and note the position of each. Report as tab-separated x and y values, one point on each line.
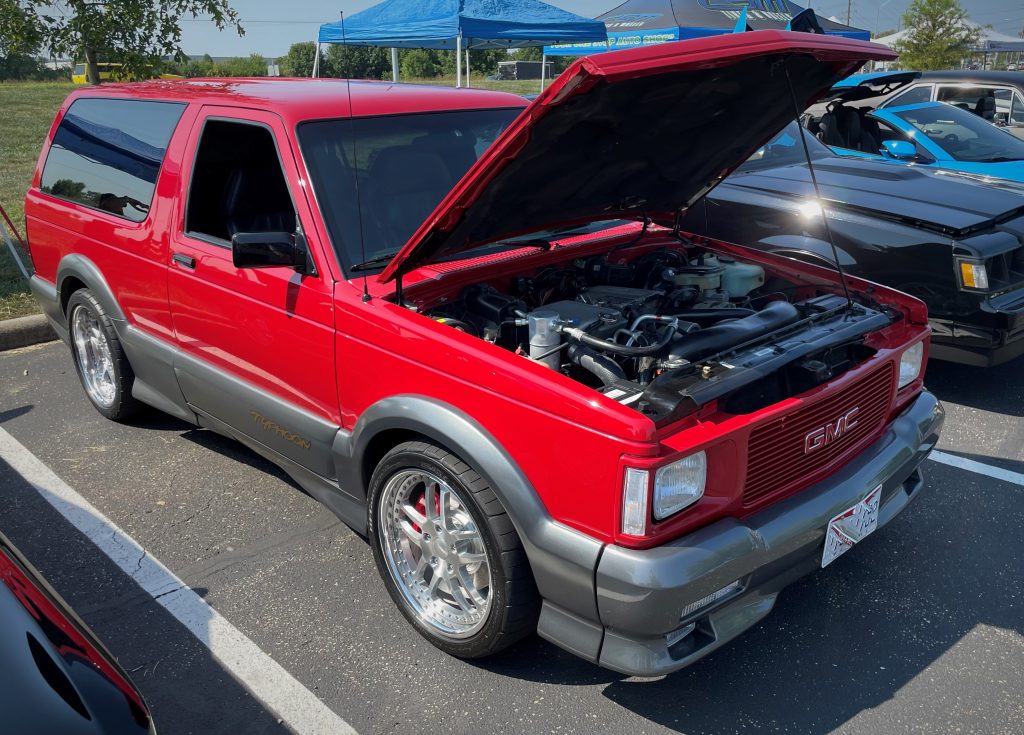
951	138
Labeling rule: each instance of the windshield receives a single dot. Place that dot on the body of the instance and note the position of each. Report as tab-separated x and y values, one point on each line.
405	165
962	134
785	150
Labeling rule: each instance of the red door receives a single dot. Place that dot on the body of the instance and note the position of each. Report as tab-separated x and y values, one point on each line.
256	345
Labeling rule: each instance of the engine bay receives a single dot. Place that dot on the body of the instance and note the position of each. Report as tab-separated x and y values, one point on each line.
672	329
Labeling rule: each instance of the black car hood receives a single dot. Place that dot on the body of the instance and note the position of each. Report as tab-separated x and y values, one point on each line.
950	203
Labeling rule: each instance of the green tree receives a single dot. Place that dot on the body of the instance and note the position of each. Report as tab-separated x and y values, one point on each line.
21	33
134	33
245	66
939	35
530	53
419	63
298	62
356	62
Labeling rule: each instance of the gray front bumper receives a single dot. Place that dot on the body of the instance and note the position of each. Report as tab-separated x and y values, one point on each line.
641	594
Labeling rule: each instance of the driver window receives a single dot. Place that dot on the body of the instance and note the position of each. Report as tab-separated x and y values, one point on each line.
972	99
237	184
914	95
1017	110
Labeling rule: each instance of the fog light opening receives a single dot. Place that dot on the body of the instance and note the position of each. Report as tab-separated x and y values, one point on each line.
677	635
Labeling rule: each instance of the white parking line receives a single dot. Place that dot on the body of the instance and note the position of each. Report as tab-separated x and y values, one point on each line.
297	707
978	467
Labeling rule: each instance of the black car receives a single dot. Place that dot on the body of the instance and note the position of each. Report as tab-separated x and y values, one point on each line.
953	240
58	678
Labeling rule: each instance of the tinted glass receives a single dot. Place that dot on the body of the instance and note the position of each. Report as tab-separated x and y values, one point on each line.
405	166
964	135
785	150
1017	111
107	154
911	96
966	98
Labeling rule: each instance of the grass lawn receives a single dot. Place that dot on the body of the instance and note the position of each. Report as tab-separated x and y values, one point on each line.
26	111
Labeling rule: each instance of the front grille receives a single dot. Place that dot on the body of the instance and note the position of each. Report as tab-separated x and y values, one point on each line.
1005	269
776	460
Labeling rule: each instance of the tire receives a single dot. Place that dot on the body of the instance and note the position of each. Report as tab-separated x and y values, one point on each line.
99	358
473	522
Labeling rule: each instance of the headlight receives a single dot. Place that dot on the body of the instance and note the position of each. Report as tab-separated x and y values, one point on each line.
679	484
973	275
910	364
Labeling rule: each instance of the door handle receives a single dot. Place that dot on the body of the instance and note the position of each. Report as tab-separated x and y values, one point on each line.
184	260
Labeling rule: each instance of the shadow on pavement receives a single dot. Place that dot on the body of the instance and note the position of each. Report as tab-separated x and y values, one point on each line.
186	689
14	413
999	389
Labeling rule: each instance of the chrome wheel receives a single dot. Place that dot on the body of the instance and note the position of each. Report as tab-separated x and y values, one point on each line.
95	362
435	553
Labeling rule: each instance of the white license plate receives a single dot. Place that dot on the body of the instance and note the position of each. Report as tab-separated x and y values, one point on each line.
850	526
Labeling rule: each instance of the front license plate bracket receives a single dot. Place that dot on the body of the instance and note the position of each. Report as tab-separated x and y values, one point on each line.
851	526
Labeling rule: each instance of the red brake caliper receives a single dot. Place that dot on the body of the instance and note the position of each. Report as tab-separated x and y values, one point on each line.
421	506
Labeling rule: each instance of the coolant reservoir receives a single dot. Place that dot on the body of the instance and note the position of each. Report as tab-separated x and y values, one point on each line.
740	279
705	274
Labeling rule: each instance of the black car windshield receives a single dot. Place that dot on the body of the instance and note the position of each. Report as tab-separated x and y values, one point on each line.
962	134
405	164
785	149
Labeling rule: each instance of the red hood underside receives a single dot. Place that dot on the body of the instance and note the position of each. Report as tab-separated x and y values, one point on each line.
629	134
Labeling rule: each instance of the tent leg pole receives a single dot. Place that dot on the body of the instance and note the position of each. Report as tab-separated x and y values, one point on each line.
468	85
394	65
543	68
458	60
316	59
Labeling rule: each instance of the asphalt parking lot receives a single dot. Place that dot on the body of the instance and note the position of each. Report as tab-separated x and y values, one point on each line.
919	629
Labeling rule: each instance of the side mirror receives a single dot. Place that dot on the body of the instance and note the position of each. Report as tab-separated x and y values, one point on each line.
271	250
901	150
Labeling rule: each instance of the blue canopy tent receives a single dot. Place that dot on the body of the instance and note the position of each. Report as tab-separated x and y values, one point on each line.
648	22
461	25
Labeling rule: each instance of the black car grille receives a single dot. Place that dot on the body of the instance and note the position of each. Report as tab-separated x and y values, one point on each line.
1006	269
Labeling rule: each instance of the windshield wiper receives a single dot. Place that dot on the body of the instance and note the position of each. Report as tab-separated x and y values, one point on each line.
378	262
1002	159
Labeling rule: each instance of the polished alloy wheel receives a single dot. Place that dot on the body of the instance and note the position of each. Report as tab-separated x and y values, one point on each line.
94	359
435	553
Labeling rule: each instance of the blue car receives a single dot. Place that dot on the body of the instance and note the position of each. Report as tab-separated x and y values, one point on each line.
933	134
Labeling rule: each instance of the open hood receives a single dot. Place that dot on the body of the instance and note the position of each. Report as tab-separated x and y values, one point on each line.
865	86
635	133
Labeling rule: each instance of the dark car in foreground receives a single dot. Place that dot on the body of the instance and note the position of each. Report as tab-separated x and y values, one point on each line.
953	240
58	678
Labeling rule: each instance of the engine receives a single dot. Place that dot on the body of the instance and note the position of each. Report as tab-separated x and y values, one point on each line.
655	331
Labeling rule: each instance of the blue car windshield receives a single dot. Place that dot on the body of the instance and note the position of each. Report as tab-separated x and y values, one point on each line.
785	150
962	134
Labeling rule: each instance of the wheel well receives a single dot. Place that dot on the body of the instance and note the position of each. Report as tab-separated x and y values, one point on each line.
67	287
380	445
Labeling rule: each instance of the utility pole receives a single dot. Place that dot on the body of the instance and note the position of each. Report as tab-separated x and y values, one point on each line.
849	11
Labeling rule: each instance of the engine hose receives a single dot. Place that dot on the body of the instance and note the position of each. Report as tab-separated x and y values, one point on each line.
630	351
708	316
607	370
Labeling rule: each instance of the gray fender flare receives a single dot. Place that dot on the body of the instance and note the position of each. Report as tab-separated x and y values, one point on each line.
563	560
80	267
801	245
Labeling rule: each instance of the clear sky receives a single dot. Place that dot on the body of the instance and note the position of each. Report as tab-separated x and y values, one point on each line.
272	26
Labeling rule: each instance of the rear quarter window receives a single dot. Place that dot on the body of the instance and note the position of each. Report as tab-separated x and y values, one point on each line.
107	153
